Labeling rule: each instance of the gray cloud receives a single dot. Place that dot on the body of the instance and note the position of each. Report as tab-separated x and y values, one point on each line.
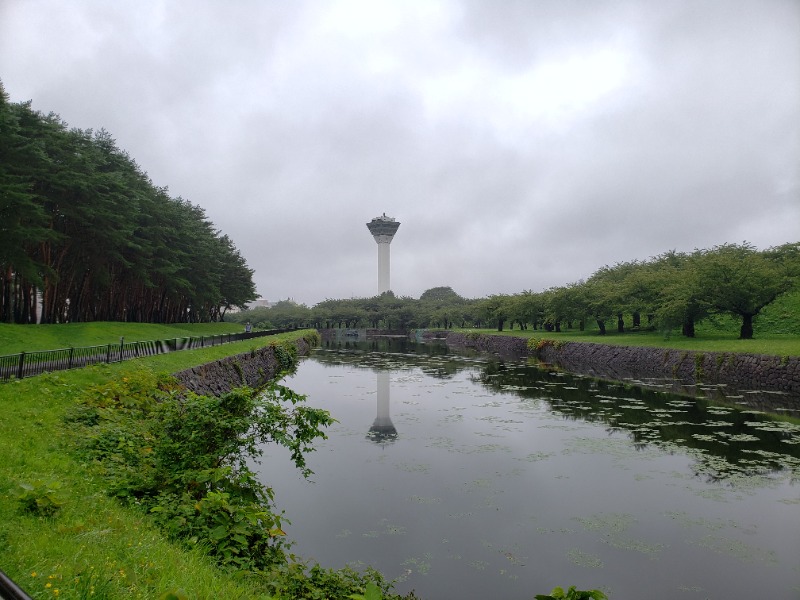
521	144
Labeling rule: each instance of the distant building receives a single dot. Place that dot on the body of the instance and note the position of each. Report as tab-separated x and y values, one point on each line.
260	304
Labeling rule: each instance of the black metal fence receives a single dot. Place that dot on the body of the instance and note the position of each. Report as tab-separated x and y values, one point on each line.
10	590
28	364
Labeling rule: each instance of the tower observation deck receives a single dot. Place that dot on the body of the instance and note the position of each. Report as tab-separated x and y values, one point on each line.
383	229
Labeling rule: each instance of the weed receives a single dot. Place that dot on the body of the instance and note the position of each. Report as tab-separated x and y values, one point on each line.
537	344
40	498
558	593
312	338
286	355
699	372
237	366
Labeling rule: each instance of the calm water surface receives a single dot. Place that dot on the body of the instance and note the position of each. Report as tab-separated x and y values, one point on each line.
473	477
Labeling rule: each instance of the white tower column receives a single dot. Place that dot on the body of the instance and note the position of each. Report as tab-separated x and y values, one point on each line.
383	264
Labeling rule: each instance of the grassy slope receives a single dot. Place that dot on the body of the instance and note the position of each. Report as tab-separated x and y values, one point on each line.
777	332
18	338
93	542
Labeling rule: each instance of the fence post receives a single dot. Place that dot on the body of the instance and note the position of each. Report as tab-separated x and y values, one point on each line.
21	365
108	355
71	352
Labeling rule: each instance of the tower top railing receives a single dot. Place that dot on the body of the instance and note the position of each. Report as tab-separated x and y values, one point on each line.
383	225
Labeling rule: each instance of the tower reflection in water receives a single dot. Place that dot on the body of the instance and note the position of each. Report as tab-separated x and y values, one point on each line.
383	430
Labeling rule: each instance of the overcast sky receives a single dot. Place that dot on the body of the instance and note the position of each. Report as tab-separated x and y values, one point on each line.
521	144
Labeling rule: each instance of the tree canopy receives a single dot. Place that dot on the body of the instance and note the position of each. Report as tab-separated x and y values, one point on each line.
87	236
671	291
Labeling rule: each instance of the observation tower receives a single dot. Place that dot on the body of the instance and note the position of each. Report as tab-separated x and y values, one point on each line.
383	229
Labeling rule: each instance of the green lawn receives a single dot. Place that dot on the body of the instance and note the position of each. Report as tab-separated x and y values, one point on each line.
774	344
93	547
777	332
28	338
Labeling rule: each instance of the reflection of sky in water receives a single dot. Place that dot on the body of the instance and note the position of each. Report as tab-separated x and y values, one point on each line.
504	481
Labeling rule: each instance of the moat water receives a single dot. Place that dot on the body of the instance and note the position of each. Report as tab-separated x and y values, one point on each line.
475	477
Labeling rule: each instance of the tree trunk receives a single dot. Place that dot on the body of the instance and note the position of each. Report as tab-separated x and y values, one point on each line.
620	323
746	333
602	326
687	329
8	296
637	319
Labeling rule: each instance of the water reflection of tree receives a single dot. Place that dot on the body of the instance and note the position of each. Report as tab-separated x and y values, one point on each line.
726	442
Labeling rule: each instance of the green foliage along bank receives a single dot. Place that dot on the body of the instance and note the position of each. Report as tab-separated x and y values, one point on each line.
108	491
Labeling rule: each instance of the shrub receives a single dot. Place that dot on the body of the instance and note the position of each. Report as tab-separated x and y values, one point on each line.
286	355
199	488
40	498
312	338
558	593
536	344
699	372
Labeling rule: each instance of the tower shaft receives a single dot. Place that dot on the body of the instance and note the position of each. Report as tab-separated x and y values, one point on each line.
383	266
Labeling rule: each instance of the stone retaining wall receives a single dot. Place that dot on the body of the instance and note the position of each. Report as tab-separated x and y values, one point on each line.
733	373
252	368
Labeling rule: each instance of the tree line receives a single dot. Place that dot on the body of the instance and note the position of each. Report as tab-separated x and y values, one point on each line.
86	236
675	290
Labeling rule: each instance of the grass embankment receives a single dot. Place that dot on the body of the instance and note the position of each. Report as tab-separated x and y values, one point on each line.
777	345
93	547
777	332
28	338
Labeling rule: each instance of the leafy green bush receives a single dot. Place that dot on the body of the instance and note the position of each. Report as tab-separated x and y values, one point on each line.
40	497
297	580
537	344
184	457
286	355
312	338
558	593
